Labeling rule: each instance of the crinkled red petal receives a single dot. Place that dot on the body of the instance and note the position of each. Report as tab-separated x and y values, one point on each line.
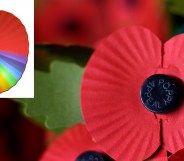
159	155
110	94
70	145
173	123
178	156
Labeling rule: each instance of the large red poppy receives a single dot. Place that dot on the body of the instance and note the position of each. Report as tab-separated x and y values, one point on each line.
88	22
70	145
110	94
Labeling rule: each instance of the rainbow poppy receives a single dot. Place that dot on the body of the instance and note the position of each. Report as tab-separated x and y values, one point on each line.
13	50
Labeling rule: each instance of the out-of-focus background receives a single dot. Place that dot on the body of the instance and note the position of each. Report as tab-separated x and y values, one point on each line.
66	34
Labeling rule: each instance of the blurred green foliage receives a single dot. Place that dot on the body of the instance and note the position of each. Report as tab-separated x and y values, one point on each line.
58	72
176	12
176	6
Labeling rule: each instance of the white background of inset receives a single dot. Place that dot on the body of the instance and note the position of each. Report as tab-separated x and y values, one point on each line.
24	10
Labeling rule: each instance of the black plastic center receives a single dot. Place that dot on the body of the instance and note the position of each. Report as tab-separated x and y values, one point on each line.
72	26
90	156
160	93
132	3
93	156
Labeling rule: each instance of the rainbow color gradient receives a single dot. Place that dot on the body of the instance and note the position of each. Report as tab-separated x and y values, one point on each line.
11	68
13	50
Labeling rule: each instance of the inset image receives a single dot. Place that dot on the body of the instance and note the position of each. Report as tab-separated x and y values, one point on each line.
14	48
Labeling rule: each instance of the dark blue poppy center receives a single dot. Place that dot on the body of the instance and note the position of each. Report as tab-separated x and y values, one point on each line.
93	156
160	93
131	3
72	26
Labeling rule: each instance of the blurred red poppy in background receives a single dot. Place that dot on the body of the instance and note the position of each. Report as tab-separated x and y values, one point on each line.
20	138
87	22
67	23
150	14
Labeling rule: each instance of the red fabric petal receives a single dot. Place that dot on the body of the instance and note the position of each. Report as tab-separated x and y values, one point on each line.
70	145
110	97
173	55
160	155
13	35
173	122
178	156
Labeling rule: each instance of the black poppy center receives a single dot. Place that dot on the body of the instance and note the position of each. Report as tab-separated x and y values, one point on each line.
160	93
131	3
71	25
93	156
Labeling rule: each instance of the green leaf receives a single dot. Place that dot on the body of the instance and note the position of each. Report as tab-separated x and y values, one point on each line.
176	6
46	54
57	86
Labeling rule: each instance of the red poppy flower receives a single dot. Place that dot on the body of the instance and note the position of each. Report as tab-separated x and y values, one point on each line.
63	22
88	22
178	156
70	145
110	94
150	14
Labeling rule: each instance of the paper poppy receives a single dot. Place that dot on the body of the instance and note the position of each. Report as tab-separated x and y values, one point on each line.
111	99
178	156
71	145
87	22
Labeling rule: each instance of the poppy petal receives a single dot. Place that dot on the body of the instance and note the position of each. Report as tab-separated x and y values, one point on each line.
178	156
70	145
173	124
110	96
173	55
159	155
